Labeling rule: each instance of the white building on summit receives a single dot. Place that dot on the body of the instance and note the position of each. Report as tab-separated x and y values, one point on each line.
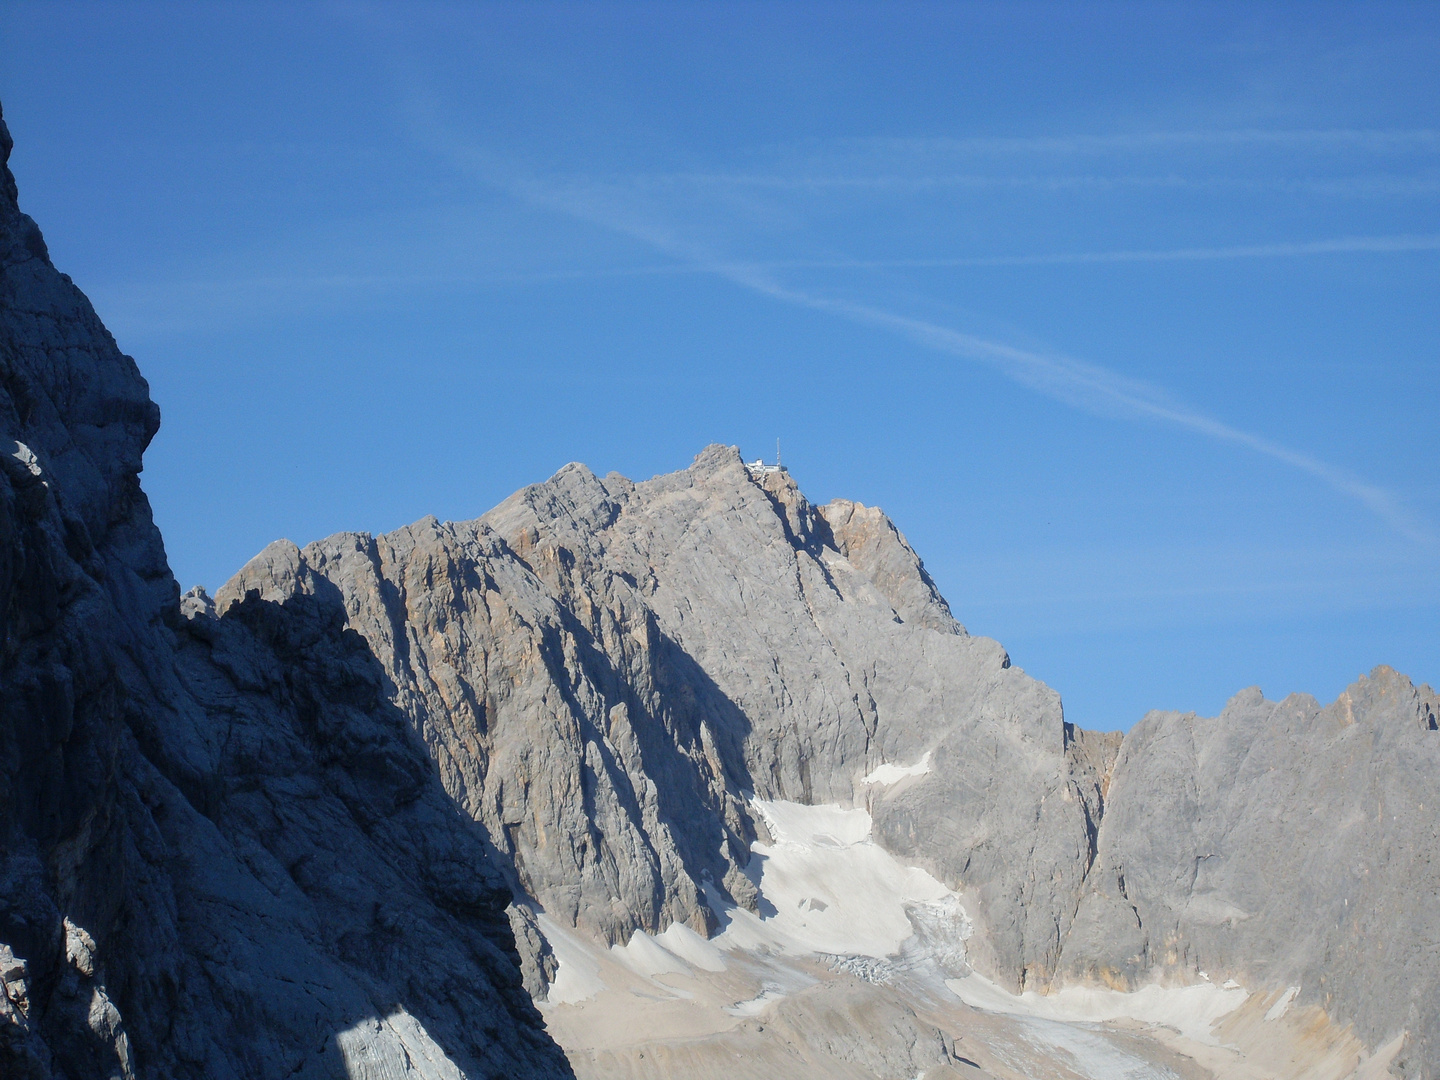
759	468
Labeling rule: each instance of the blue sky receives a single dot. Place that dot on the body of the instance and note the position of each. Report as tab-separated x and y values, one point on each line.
1128	314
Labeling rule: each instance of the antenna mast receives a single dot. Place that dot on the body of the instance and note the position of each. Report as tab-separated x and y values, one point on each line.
777	453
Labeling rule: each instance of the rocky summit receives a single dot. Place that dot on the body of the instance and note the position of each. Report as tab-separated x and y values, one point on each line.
613	676
680	777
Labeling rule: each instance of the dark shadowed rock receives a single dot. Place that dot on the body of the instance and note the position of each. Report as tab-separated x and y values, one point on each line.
222	851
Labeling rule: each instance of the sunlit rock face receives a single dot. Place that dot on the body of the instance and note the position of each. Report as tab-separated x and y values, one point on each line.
222	851
611	675
1280	844
607	671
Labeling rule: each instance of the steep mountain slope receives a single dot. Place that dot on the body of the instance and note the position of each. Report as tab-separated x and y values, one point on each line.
614	675
1280	844
222	851
607	672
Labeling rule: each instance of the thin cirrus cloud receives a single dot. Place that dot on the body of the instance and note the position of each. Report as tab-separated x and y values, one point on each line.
1090	387
191	303
923	164
1072	382
1078	384
1369	139
1338	246
1339	187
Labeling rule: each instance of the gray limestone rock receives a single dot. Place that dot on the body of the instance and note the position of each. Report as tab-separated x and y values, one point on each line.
1280	844
606	671
223	853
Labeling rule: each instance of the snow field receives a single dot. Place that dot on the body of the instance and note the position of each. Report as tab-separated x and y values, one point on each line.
1190	1010
832	889
889	773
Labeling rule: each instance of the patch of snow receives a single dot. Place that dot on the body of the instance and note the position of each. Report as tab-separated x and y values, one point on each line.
827	825
692	948
646	956
1281	1007
829	887
1190	1010
578	976
1214	909
26	457
1091	1054
943	929
888	774
756	1005
867	968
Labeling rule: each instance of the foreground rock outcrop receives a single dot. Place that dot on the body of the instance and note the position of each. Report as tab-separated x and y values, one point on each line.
222	851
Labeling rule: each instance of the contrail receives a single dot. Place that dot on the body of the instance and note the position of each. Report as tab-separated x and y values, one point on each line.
1321	138
1085	386
1337	186
353	282
1341	245
1091	388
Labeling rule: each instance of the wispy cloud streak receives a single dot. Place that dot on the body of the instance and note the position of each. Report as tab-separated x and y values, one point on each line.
201	289
1187	160
1091	388
1081	385
1362	186
1395	139
1339	246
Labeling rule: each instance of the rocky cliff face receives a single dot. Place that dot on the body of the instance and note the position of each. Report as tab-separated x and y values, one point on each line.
608	672
1280	844
222	851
